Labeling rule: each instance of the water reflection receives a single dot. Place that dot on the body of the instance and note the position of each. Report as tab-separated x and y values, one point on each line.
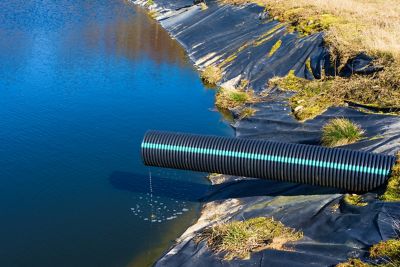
121	38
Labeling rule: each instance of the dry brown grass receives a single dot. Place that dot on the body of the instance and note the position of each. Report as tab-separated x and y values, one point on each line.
211	75
238	239
352	26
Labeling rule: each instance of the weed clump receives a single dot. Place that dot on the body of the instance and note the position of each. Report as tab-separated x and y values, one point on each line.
247	112
238	239
392	192
228	98
340	131
211	75
355	200
232	98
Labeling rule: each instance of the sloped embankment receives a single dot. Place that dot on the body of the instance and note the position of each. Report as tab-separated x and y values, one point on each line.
249	48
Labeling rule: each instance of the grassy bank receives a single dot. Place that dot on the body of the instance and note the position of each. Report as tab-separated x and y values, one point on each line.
351	27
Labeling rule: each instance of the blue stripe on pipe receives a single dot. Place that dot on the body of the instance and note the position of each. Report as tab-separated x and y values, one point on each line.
266	157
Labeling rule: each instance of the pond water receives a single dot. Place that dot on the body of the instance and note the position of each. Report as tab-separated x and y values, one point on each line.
80	83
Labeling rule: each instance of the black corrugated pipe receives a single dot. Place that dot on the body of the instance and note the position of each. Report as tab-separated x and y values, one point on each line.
333	167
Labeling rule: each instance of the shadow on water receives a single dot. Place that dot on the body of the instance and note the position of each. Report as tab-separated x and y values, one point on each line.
196	192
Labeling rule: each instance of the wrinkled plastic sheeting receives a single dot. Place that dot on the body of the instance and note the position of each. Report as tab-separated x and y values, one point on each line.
331	234
274	121
333	230
224	31
213	35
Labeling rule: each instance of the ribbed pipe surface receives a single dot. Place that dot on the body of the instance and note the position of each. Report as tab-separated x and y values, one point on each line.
333	167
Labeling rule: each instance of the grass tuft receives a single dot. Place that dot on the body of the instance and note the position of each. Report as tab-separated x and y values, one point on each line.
211	75
238	239
232	98
228	98
392	192
340	131
355	200
247	112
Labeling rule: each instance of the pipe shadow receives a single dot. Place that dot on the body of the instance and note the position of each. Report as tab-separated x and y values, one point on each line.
196	192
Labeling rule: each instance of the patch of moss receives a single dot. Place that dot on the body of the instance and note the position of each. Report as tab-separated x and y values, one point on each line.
238	239
275	48
211	75
354	200
247	112
392	192
340	131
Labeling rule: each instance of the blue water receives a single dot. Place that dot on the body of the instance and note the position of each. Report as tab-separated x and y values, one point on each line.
80	83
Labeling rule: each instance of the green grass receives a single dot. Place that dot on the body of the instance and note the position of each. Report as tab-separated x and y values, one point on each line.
239	238
355	200
211	75
340	131
392	192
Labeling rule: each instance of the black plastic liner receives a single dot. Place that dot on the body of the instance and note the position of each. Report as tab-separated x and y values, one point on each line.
333	230
340	168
